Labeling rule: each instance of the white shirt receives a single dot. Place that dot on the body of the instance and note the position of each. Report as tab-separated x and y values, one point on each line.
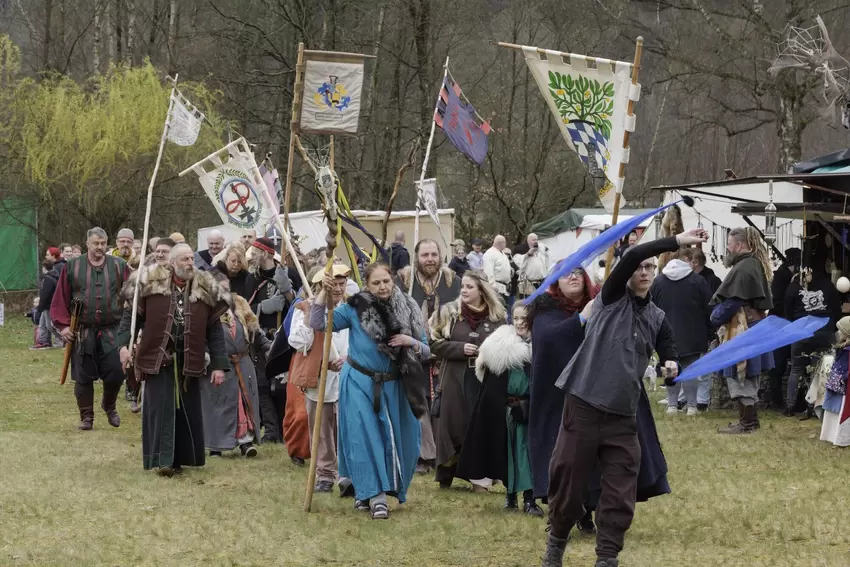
535	267
497	266
301	339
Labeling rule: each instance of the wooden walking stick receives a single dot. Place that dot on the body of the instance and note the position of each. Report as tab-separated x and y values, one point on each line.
69	345
332	240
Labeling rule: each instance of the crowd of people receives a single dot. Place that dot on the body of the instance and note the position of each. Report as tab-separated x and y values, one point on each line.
438	367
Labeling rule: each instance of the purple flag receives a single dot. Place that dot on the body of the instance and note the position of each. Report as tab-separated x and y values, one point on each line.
457	119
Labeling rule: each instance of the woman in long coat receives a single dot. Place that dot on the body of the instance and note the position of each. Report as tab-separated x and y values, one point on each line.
232	410
496	444
382	387
556	333
457	330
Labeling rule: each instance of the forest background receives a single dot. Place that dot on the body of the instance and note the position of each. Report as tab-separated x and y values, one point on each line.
83	97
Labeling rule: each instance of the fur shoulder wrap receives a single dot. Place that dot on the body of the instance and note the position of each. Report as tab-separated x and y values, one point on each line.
501	351
156	280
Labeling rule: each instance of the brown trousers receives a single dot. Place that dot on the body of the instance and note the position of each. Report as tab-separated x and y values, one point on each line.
326	454
589	435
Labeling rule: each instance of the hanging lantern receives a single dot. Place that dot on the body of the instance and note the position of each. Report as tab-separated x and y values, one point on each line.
770	217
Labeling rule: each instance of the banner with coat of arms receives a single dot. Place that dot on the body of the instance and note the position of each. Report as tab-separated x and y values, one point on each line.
232	181
590	104
332	92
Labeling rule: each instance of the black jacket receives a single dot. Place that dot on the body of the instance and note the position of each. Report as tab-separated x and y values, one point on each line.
685	303
779	286
400	257
712	279
459	266
47	290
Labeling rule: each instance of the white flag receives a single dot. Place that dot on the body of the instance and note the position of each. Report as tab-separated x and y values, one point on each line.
331	102
235	187
426	191
186	121
590	105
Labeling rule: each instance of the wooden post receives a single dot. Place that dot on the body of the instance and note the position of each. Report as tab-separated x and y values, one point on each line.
297	95
323	375
630	110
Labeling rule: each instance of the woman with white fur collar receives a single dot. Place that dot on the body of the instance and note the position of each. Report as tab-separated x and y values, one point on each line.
496	444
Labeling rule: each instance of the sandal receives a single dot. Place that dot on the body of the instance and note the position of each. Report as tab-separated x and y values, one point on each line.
380	511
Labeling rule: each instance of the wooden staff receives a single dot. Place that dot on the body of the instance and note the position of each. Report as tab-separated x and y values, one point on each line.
331	239
297	95
399	176
69	345
630	110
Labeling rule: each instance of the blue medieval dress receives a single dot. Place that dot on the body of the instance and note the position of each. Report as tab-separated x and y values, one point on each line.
378	451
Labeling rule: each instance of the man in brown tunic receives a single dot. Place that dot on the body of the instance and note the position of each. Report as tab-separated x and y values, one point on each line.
178	311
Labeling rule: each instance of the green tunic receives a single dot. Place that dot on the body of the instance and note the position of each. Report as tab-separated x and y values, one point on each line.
519	456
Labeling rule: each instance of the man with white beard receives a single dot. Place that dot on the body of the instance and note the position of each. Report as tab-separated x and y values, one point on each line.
434	285
179	307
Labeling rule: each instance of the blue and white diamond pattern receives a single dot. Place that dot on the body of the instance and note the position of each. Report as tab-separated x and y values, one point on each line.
581	133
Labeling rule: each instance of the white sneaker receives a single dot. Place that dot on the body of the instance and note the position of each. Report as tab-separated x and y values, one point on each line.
672	410
662	402
692	410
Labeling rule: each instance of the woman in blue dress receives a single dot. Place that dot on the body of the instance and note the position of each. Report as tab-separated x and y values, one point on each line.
382	388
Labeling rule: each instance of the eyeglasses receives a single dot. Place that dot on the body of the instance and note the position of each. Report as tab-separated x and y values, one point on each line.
648	268
577	273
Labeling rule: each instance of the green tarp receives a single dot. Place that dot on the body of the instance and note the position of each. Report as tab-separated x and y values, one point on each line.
18	245
571	219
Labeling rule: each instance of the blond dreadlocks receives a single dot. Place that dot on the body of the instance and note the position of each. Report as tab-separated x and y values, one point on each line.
752	238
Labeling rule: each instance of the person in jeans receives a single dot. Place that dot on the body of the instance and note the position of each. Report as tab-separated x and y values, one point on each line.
604	382
683	296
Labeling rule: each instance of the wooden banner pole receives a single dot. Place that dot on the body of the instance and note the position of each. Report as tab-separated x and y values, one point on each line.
630	110
297	94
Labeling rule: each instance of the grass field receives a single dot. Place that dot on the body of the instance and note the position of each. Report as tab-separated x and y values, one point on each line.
779	497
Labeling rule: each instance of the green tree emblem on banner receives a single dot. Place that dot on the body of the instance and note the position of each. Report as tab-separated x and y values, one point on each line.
583	99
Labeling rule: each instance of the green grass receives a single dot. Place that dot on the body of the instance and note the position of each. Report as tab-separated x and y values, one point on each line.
779	497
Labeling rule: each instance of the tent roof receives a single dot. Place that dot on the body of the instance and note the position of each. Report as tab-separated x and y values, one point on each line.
573	218
361	214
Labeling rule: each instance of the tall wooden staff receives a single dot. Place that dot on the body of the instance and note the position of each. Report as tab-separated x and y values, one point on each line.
332	241
630	110
297	94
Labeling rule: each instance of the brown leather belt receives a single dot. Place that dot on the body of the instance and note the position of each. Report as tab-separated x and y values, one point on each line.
378	378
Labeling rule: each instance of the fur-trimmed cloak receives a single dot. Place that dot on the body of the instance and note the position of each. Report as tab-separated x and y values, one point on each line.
485	449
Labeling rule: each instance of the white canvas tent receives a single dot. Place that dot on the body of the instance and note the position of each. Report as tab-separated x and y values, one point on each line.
312	226
715	201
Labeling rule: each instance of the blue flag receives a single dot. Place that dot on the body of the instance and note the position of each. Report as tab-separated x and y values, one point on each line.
459	123
768	335
585	255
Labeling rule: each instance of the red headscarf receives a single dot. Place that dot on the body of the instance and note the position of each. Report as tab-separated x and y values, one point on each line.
569	306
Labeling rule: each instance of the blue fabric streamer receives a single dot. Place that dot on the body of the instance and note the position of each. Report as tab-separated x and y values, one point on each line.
584	255
768	335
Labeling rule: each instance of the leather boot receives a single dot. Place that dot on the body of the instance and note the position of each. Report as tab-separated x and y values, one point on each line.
86	419
743	426
110	396
85	402
554	556
751	417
